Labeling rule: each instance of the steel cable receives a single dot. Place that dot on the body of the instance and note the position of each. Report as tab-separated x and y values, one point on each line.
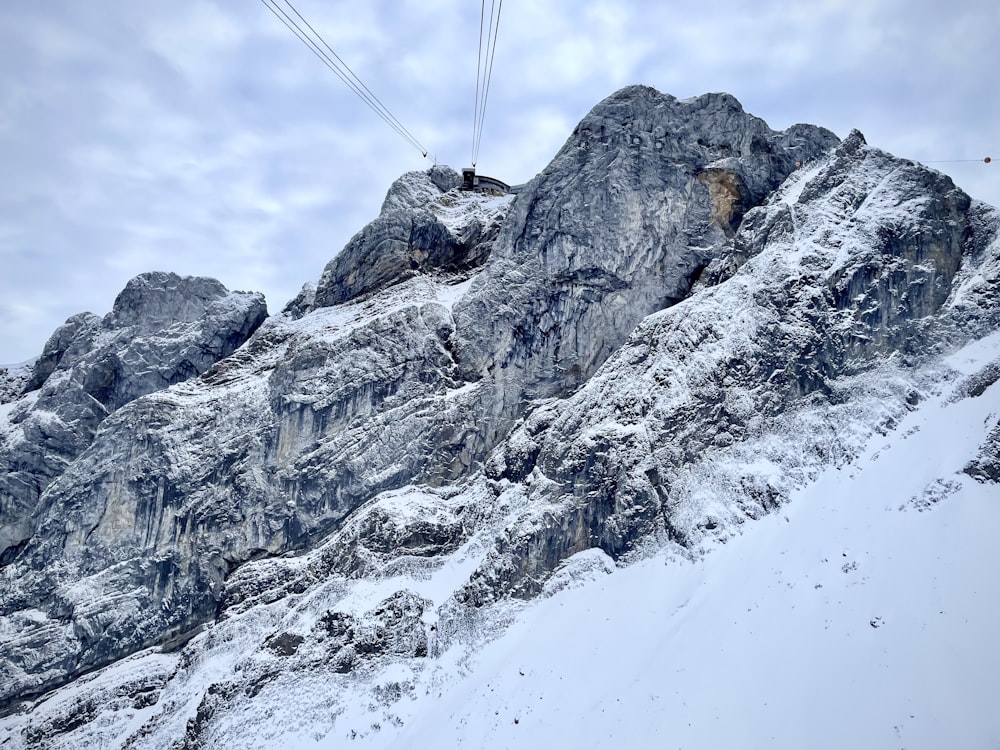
489	76
358	87
484	71
479	61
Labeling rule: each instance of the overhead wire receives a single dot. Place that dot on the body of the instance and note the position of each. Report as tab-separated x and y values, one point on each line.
297	30
481	68
479	60
489	79
344	73
367	98
484	73
355	77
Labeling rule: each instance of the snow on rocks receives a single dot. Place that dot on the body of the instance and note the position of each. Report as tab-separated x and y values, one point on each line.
427	226
490	399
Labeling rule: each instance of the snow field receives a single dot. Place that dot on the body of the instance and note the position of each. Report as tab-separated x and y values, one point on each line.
848	619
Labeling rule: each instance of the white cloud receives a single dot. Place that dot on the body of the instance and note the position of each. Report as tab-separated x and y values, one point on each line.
197	40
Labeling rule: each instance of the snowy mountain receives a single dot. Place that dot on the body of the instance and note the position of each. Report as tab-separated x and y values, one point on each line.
491	480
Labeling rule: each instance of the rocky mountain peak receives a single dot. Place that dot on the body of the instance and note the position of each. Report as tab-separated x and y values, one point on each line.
682	319
427	225
855	140
157	300
162	330
640	199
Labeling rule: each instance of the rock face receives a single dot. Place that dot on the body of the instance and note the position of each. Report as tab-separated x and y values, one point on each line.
619	225
415	233
265	453
986	466
163	329
681	319
13	380
846	270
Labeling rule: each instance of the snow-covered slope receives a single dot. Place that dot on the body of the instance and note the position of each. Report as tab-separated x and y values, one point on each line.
862	614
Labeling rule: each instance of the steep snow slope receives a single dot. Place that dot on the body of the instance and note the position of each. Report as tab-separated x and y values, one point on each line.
863	614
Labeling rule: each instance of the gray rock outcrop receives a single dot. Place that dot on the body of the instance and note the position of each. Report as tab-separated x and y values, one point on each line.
618	226
162	330
985	467
854	266
265	452
412	235
14	380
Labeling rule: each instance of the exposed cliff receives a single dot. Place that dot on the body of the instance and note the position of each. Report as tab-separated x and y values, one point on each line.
163	329
853	269
683	318
618	226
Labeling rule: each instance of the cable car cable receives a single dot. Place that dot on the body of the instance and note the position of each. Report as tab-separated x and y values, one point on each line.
489	78
368	99
484	72
355	77
481	81
985	160
289	22
481	68
297	30
479	61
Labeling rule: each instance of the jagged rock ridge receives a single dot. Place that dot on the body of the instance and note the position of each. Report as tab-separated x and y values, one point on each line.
613	359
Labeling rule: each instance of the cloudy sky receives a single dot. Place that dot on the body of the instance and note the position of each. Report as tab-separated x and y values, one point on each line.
201	137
